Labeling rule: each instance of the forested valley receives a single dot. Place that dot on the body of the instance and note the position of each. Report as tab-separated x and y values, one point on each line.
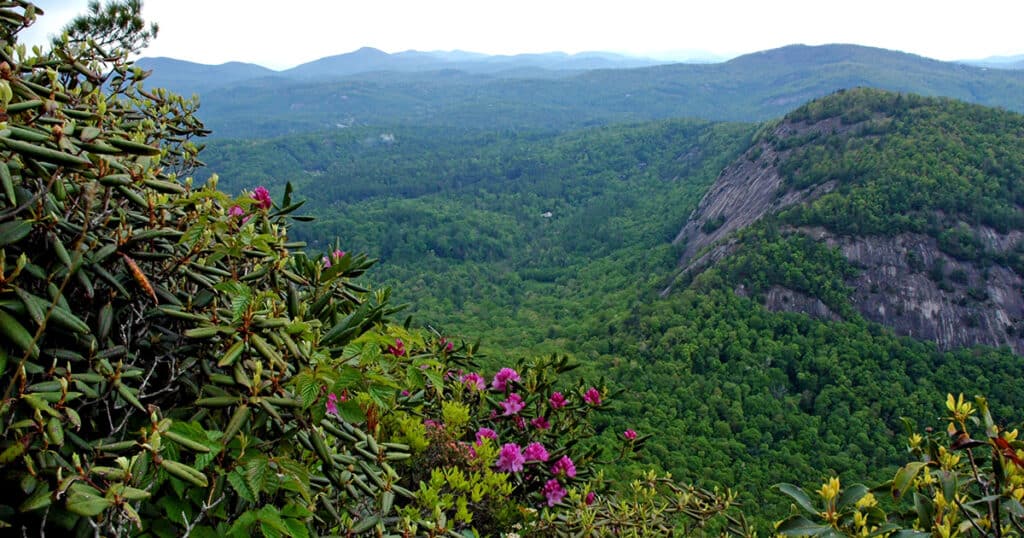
562	243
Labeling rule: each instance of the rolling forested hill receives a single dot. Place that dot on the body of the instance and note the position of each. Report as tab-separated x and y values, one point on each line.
540	243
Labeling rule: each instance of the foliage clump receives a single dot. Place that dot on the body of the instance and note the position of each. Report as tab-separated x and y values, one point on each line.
174	364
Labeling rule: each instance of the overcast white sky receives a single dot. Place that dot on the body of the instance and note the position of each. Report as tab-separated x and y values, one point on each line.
281	34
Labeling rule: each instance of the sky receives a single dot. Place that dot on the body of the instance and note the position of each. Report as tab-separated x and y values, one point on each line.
280	34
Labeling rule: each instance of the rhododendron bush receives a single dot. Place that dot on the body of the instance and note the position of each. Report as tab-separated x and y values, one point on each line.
172	364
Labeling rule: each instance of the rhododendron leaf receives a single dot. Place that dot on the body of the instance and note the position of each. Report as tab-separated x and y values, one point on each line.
87	504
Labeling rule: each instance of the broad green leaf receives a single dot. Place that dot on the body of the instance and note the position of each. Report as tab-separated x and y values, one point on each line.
1014	507
851	494
925	511
87	505
242	525
256	471
797	495
351	412
905	478
306	387
271	523
801	526
296	528
39	499
238	481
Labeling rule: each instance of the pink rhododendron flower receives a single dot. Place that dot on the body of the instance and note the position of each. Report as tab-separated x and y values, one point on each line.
520	423
554	492
510	459
592	396
512	405
502	378
446	345
535	452
629	434
557	401
431	423
262	195
590	498
564	466
483	433
236	211
540	423
332	404
398	349
474	380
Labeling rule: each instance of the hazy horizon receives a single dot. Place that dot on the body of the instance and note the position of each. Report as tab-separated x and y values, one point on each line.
213	33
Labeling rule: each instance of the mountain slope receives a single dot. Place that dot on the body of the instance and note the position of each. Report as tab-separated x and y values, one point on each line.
922	197
749	88
187	78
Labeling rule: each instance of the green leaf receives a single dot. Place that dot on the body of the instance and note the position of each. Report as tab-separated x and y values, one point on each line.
271	523
851	495
293	510
797	495
905	478
296	529
350	411
14	231
925	511
238	481
242	525
801	526
88	505
1014	507
256	471
307	388
40	498
381	395
349	378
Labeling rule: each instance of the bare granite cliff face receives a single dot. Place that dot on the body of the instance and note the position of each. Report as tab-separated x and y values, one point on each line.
905	281
749	189
908	284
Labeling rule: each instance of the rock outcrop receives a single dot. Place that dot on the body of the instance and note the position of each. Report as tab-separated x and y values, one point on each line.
905	281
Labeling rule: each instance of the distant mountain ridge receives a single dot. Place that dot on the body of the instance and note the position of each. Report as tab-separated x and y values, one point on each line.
189	77
753	87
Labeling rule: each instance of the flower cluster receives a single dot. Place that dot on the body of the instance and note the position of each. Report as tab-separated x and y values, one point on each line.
262	195
502	378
